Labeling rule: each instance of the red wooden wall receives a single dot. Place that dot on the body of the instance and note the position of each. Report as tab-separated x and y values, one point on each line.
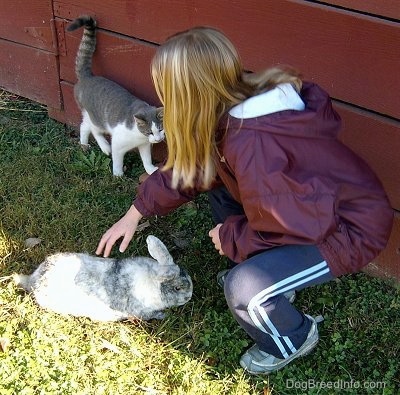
350	47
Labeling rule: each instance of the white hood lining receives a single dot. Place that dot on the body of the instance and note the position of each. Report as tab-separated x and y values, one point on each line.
283	97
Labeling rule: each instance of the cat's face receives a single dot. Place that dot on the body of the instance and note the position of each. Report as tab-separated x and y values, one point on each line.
150	123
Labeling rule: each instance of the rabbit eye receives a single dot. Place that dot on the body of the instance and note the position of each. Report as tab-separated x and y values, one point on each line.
178	288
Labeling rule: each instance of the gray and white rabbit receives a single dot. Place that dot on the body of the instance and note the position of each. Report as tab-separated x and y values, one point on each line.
106	289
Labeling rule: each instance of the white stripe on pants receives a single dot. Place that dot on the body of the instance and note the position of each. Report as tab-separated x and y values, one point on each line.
282	286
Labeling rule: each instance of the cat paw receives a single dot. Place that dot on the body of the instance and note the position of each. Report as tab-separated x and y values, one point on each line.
117	172
106	151
85	147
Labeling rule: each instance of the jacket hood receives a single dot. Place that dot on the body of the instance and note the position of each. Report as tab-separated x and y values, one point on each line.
282	97
282	111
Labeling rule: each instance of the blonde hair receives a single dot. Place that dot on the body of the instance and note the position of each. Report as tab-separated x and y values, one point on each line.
198	76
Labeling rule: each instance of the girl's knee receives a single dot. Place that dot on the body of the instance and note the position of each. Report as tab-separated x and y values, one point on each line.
242	283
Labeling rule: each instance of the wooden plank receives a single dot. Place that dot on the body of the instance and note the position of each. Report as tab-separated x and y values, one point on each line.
332	48
328	45
69	113
386	8
122	59
28	22
387	264
30	72
377	141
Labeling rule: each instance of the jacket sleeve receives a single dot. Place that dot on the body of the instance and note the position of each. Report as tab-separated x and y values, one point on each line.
157	197
278	209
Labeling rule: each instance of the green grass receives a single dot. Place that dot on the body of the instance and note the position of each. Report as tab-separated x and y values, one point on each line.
52	190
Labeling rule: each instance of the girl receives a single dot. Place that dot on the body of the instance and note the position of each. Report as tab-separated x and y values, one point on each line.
294	207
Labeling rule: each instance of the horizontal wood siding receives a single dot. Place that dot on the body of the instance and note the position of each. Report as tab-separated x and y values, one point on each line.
387	264
28	22
30	72
377	141
328	45
28	61
383	8
70	113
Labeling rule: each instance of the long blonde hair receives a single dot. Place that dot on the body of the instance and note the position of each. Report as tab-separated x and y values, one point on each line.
198	76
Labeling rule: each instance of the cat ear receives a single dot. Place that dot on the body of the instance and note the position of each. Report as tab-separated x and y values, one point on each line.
160	113
140	120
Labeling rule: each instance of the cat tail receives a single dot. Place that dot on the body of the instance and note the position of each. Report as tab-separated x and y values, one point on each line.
23	281
83	62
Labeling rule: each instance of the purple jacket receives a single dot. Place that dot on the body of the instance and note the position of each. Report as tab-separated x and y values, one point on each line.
297	183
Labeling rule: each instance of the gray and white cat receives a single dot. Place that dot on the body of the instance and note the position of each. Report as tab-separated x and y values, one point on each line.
109	109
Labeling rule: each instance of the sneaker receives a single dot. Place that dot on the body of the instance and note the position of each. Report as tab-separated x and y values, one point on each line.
221	277
256	361
290	295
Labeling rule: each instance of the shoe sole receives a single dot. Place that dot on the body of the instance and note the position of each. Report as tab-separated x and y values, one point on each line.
286	361
282	364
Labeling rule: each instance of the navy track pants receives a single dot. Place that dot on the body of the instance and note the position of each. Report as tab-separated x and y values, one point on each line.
254	289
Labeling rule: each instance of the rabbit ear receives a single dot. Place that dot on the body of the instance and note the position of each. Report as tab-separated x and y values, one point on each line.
158	251
167	272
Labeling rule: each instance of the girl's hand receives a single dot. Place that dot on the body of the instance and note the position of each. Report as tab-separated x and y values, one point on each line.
124	228
214	234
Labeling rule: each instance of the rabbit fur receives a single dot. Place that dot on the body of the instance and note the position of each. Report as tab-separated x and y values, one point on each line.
107	289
